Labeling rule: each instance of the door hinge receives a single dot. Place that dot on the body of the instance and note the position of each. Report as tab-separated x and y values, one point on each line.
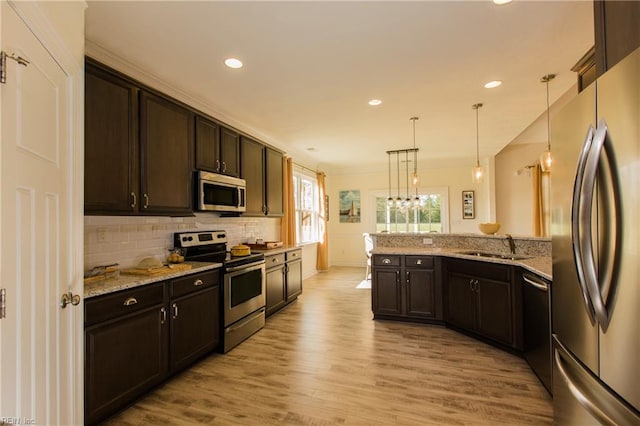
3	64
3	304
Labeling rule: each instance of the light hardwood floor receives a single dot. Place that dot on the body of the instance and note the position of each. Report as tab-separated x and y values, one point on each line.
324	361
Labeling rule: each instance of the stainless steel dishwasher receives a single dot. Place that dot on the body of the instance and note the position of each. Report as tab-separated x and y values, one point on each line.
536	293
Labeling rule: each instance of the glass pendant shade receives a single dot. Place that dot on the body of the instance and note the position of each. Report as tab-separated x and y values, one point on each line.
545	161
477	174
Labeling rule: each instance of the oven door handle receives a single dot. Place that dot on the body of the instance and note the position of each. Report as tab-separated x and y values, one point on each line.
245	268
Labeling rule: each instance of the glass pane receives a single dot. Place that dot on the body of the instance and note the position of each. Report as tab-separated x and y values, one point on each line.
426	218
307	195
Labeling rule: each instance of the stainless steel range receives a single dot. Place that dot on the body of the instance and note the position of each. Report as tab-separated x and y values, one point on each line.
243	283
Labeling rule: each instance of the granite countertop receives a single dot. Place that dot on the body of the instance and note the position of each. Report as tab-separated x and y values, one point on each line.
541	265
124	281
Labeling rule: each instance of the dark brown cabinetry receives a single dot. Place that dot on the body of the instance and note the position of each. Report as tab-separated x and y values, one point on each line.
484	299
262	168
617	32
406	288
195	318
126	342
111	143
166	159
217	148
283	279
138	149
136	338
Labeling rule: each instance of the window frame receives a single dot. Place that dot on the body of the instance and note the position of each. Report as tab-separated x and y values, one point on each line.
442	191
298	176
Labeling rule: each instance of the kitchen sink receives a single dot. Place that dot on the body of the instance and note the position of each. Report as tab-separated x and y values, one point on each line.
495	255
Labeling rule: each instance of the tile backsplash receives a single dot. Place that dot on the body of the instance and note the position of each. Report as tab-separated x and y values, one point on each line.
128	239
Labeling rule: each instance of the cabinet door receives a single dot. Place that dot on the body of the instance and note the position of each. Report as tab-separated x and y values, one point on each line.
274	181
111	143
460	301
207	145
195	326
294	279
166	156
252	171
123	358
616	32
229	152
276	297
420	299
494	310
386	292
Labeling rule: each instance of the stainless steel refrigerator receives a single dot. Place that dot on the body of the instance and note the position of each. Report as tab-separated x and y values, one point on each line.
595	187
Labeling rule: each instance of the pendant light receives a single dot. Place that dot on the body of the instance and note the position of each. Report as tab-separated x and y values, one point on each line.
545	157
389	198
477	174
415	178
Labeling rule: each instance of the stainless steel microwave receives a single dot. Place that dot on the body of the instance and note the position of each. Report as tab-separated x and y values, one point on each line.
220	193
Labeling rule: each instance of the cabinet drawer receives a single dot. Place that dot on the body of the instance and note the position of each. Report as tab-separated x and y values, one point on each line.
194	282
386	260
422	262
274	260
122	303
294	255
480	269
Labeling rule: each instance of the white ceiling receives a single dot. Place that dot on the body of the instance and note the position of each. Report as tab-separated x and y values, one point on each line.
310	68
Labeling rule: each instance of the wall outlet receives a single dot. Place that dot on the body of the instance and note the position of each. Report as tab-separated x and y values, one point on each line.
102	235
427	241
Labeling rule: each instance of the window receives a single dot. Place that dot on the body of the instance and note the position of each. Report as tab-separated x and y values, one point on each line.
305	190
431	216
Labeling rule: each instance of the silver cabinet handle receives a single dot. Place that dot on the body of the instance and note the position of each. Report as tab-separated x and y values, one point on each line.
146	201
217	165
576	223
386	261
419	262
134	200
163	315
198	282
175	310
130	301
408	275
224	166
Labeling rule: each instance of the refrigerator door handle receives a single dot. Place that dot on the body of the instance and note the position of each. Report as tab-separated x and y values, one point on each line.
588	189
578	394
576	223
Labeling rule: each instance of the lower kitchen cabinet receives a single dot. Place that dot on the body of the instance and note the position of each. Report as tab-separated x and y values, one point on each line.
126	348
195	318
406	288
484	299
136	338
283	279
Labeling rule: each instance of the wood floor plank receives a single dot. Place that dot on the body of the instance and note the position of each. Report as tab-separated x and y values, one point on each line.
324	361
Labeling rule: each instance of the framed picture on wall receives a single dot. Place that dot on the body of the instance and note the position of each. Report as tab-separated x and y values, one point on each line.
350	206
468	205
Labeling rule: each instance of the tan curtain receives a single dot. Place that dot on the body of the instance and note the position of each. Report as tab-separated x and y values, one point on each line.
322	261
538	202
288	222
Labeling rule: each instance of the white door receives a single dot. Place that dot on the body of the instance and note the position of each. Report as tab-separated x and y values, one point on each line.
40	342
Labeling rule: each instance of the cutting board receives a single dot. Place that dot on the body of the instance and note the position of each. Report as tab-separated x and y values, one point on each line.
161	270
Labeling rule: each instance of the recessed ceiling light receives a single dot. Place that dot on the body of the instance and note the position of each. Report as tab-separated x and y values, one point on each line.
233	63
492	84
501	1
375	102
311	149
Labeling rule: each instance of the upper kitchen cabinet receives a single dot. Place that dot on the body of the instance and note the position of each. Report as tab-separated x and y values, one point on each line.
617	32
138	148
166	159
217	148
111	143
262	169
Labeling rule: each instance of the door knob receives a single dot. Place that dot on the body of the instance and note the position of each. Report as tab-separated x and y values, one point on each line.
69	297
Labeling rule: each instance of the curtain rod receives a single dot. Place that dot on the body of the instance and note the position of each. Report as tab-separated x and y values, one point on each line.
305	168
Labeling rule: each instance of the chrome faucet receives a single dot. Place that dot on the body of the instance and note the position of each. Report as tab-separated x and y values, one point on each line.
512	244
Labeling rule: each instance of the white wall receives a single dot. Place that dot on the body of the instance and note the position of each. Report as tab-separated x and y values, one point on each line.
514	187
346	244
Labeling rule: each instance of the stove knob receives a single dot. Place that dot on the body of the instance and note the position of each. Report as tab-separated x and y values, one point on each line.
190	238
